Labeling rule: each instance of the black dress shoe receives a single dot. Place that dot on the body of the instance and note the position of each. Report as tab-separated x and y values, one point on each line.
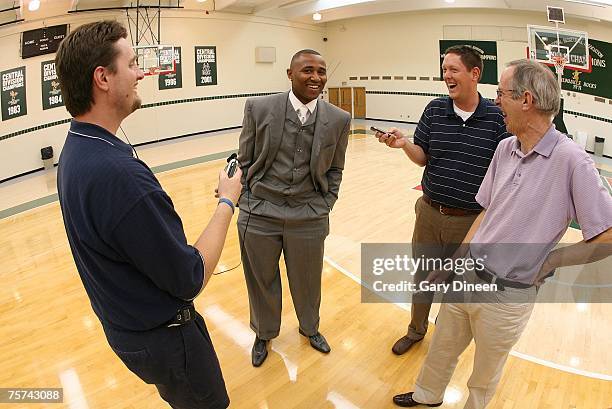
403	344
318	342
405	400
259	353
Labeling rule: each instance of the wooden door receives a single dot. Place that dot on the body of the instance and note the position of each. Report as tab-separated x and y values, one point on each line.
346	99
360	102
334	96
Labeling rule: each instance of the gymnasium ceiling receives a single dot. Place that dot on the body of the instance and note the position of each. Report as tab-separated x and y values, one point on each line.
302	10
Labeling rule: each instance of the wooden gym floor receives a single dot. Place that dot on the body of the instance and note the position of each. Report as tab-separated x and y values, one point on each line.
51	338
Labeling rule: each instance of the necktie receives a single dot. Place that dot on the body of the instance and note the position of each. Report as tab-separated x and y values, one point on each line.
302	113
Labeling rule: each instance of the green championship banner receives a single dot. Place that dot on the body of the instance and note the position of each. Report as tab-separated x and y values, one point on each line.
173	79
488	52
597	82
13	93
51	93
205	65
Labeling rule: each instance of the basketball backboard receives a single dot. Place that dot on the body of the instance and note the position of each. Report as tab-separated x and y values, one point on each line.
155	59
547	44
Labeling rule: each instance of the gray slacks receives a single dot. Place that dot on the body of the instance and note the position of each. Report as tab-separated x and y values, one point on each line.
299	233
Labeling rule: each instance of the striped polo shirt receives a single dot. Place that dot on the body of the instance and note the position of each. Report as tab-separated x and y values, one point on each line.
458	152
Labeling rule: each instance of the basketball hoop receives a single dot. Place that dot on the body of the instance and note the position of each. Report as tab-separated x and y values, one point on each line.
152	71
155	59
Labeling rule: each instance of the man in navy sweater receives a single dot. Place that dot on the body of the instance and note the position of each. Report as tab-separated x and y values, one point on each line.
126	238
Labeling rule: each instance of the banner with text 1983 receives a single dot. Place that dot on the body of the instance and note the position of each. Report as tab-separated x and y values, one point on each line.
13	93
51	92
205	65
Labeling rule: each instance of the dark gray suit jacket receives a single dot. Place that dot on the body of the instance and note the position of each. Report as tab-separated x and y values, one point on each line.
262	131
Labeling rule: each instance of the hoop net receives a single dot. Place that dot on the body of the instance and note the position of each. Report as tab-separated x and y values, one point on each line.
559	61
153	70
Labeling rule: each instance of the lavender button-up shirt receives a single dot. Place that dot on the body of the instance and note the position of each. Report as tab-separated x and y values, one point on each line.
530	200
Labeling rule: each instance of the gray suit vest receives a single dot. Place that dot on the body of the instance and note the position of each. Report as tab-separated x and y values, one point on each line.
288	180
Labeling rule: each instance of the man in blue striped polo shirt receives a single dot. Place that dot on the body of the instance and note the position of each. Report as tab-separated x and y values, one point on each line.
455	141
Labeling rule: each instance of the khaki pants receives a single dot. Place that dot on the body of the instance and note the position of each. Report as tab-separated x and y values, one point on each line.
435	235
495	321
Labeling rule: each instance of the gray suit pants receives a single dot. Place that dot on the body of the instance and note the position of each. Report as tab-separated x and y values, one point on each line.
300	234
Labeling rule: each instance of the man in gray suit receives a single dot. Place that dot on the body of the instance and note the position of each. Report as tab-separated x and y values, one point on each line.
292	149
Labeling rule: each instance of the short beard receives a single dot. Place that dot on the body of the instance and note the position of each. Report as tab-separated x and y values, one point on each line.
137	104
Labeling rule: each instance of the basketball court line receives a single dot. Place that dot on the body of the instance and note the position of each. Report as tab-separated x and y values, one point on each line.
517	354
606	183
24	207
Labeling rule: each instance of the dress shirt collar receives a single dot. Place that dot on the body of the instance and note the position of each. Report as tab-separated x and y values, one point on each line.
544	147
296	103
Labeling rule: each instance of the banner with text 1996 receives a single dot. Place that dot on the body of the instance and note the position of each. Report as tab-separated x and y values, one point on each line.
173	79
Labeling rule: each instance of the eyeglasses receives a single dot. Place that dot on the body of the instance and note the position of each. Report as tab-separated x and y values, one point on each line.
500	92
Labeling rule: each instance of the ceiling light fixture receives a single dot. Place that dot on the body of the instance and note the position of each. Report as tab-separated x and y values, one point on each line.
450	1
328	4
34	5
316	16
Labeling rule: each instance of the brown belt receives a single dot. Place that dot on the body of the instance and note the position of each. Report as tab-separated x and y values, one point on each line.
448	211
